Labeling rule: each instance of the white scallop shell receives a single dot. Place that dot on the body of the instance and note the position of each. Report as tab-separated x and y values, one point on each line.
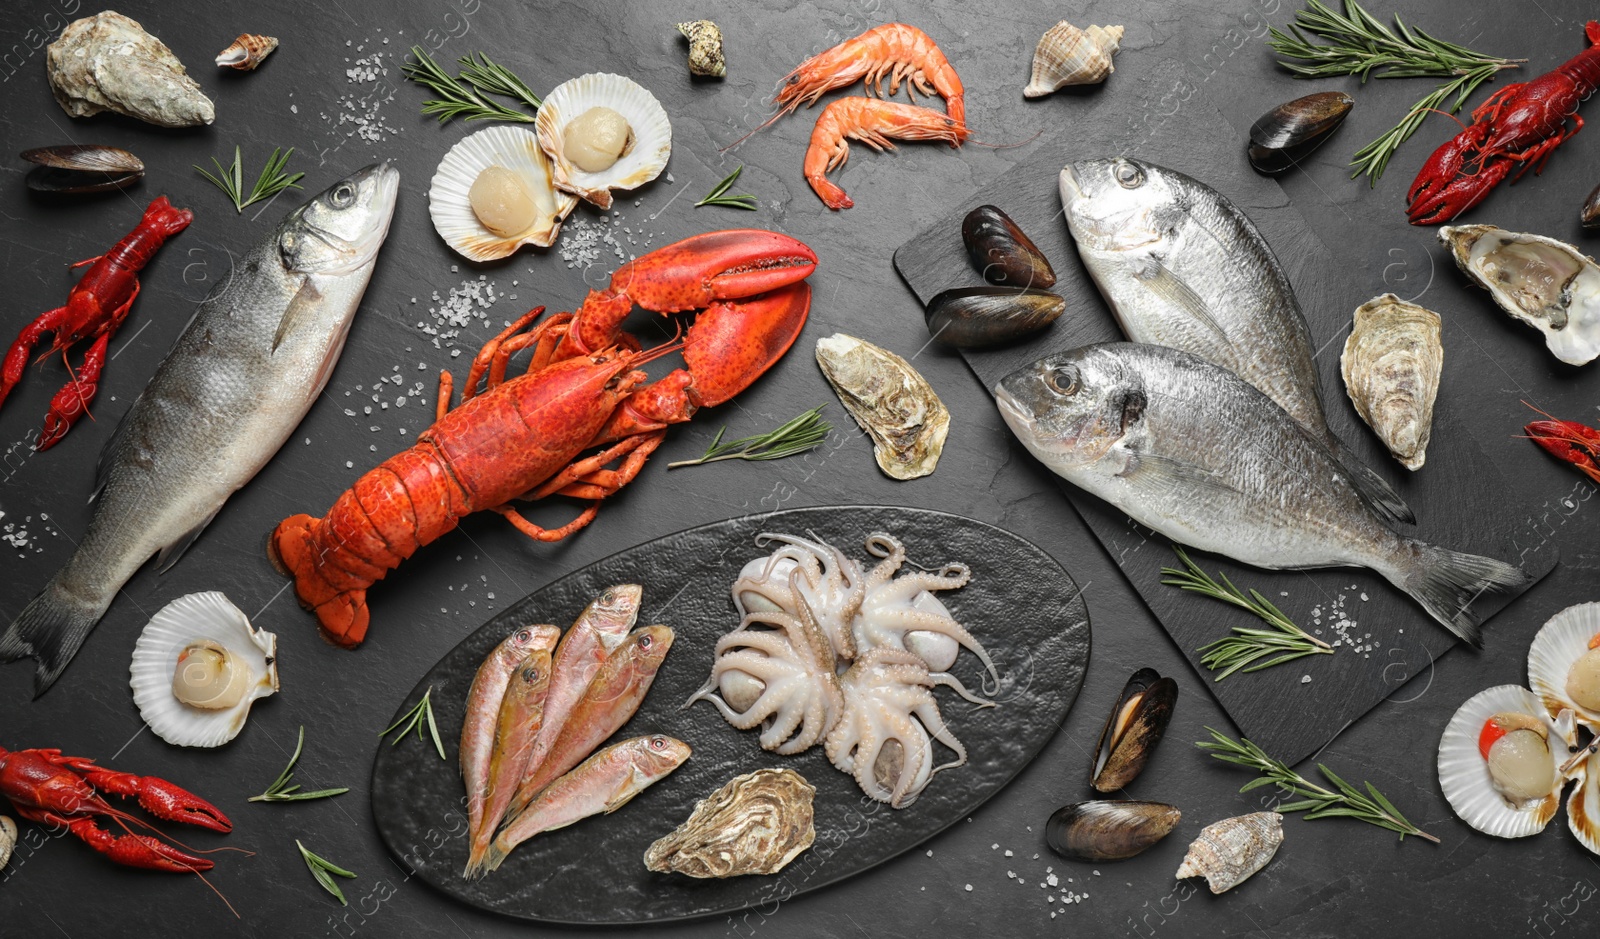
652	134
1583	808
516	149
1464	774
1561	642
206	615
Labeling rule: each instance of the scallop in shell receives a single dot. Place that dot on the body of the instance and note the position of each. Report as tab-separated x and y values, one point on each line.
644	154
1227	852
1391	365
1548	284
202	646
893	403
1564	663
1496	750
755	824
1067	55
497	150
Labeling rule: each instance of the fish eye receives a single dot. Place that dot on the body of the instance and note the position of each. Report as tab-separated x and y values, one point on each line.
658	743
1128	176
646	642
531	675
343	195
523	635
1063	380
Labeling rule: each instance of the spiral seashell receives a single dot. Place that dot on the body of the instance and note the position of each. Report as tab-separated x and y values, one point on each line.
1067	55
1229	851
1391	365
247	52
705	48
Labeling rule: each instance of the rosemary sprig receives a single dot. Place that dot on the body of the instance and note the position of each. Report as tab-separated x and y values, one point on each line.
464	95
282	791
420	712
797	436
1359	44
321	868
1318	802
719	195
1240	649
273	180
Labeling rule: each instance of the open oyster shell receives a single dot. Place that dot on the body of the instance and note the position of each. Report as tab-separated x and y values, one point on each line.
516	149
1564	663
643	161
178	625
890	400
755	824
1464	773
1391	365
1545	283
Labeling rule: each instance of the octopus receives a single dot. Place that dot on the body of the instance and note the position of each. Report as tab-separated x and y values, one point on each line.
902	612
829	584
885	738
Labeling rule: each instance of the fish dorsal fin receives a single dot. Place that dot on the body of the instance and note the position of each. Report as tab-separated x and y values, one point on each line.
300	308
1166	284
630	786
172	552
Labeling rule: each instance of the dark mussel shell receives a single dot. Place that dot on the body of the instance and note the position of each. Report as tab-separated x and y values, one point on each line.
1591	210
82	168
1108	830
1289	132
1002	253
974	317
1133	730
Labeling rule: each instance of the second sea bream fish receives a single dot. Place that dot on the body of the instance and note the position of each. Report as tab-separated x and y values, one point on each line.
1201	456
1181	266
234	387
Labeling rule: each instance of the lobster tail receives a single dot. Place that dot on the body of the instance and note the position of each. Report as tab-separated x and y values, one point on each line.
341	610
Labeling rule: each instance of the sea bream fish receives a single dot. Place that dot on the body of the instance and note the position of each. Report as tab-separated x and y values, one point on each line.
1181	266
241	376
1196	453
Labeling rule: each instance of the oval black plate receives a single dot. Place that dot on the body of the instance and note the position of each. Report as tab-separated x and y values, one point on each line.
1021	605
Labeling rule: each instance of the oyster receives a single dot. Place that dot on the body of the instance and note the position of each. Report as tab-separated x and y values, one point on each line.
1227	852
1391	366
640	154
1492	755
1001	252
247	52
527	210
198	667
82	168
8	838
1545	283
705	48
107	62
1132	730
1109	831
892	403
1067	55
978	317
1289	132
1564	663
755	824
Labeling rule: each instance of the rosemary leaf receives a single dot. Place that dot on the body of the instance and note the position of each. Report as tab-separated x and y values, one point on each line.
320	869
719	194
420	715
282	791
460	96
1344	800
487	75
798	435
273	180
1244	647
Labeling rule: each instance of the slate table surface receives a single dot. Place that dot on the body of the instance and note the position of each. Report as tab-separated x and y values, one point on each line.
986	875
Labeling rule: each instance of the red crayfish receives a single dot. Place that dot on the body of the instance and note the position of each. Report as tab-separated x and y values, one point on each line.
97	305
1576	443
52	789
1521	123
524	437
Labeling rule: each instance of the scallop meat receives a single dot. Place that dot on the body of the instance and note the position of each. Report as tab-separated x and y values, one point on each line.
197	668
892	402
495	192
755	824
1391	366
603	132
1548	284
1500	762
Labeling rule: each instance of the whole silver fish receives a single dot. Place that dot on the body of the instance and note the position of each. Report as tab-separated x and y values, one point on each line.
1180	266
1196	453
239	379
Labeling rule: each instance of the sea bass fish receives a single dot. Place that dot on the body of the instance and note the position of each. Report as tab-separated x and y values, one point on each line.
604	782
241	376
1196	453
483	712
615	694
521	715
600	628
1181	266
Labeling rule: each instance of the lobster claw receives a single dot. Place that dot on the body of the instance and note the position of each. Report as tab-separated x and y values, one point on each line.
1444	188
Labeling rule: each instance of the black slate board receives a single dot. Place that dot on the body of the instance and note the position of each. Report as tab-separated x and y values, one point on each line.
1460	500
1021	604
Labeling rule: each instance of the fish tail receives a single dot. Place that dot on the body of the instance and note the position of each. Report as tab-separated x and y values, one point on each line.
1448	583
51	629
1374	489
492	857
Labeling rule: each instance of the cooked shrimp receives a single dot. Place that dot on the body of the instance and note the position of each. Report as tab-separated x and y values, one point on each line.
894	50
872	122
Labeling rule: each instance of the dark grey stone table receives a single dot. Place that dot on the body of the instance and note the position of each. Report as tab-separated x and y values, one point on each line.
334	92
